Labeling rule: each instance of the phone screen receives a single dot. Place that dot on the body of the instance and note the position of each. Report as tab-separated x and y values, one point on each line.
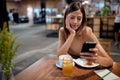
87	45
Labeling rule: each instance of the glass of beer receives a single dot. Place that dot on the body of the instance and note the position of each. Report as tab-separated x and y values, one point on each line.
67	66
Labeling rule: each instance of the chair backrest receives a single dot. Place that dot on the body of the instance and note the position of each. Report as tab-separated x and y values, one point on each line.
106	45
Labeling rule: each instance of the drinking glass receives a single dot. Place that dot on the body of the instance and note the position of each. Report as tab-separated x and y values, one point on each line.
67	66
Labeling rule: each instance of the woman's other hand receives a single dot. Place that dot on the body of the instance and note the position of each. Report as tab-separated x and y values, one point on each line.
90	56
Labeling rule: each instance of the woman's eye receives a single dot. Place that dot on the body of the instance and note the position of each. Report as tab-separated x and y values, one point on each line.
72	18
79	18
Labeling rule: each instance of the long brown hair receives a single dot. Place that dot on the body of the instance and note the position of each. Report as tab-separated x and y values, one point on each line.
74	6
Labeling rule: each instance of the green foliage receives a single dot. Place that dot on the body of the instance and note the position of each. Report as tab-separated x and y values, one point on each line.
8	50
105	12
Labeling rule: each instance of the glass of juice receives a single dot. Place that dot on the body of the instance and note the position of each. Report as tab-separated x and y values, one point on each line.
67	66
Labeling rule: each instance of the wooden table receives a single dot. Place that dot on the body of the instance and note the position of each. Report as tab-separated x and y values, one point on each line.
45	69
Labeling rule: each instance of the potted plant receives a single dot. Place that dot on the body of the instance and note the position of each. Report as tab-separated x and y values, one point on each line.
8	49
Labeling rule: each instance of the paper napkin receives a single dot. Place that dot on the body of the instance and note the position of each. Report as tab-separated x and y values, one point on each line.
105	74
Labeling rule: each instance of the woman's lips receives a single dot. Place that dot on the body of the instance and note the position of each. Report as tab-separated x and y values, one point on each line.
74	27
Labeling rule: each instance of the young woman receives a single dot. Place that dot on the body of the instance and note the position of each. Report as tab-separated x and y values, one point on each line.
75	33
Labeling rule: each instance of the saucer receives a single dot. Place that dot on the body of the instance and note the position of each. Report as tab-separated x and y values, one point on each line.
58	65
82	62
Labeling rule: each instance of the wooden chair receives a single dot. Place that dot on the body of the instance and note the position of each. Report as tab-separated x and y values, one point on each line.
106	45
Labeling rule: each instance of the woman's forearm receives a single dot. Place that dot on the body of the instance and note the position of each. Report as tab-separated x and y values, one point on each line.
105	62
65	47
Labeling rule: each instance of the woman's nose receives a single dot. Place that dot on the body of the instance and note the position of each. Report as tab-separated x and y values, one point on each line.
75	21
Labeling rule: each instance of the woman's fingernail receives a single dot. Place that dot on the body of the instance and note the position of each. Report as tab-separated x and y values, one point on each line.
90	49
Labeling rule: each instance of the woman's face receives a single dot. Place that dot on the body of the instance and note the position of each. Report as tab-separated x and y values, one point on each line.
75	19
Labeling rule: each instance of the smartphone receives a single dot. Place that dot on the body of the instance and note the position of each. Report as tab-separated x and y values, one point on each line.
87	45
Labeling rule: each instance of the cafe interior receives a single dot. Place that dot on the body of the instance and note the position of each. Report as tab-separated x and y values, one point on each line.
51	12
100	16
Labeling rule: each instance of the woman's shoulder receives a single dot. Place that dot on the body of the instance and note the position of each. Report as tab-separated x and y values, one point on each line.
62	29
62	32
87	29
89	35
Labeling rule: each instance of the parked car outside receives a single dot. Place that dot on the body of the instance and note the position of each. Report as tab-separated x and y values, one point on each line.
23	19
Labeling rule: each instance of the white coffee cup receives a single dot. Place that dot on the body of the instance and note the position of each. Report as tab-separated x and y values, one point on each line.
61	58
